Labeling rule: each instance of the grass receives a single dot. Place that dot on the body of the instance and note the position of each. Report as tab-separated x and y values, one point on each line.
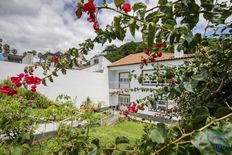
107	134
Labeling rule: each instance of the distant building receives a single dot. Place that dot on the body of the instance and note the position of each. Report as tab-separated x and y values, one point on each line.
2	58
15	58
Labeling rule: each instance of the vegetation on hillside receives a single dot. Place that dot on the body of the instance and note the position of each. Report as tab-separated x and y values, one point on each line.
114	53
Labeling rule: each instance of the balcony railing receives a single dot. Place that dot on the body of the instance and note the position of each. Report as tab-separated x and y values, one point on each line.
117	85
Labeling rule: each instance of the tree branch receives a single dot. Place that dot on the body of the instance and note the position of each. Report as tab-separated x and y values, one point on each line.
125	14
190	133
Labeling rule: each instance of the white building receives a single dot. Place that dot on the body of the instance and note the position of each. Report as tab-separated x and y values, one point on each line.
119	71
102	80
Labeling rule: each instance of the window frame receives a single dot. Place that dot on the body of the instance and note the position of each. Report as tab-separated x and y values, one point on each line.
123	79
123	97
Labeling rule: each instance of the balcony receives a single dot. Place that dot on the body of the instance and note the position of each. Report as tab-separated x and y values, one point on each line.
117	85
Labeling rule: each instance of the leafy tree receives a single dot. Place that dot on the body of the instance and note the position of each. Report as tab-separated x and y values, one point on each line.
201	88
114	53
14	51
6	49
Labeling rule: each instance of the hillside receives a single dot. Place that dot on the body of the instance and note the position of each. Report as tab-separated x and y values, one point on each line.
114	53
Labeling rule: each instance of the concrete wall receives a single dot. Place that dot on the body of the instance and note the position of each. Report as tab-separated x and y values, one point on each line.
75	84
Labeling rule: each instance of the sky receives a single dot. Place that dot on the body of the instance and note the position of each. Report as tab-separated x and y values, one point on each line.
51	25
44	25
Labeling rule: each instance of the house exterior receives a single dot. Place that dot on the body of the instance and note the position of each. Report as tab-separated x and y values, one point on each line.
104	81
118	75
98	63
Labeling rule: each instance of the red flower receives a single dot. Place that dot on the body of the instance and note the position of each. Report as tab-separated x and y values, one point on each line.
21	75
91	18
144	61
125	113
159	45
126	7
147	52
8	90
96	26
15	80
89	7
133	108
33	88
171	81
152	60
32	80
159	54
55	59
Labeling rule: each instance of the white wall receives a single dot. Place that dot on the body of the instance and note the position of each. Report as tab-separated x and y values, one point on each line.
75	84
114	73
102	65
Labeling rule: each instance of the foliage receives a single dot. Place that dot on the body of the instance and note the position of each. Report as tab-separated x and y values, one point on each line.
201	88
114	53
118	129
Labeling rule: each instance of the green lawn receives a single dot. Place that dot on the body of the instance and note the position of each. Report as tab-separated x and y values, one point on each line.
107	134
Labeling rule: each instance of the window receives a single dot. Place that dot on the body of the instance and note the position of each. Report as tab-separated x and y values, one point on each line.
150	79
148	75
124	81
96	61
162	105
124	99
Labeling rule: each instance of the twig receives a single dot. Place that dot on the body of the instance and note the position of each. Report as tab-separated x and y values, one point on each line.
218	89
190	133
125	14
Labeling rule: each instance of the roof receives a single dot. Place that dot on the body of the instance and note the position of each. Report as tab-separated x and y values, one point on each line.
137	58
15	57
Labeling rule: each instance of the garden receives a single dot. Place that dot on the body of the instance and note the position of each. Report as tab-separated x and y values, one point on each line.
202	88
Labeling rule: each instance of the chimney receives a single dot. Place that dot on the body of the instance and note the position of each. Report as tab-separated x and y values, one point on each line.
178	54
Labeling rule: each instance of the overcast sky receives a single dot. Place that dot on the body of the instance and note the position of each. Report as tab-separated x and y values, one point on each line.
44	25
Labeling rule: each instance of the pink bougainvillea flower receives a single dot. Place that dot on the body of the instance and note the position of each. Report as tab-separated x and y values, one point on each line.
8	90
159	45
96	26
148	52
91	18
126	7
33	88
159	54
133	108
55	59
15	80
89	7
152	60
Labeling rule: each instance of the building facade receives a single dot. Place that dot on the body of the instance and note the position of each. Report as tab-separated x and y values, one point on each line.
119	80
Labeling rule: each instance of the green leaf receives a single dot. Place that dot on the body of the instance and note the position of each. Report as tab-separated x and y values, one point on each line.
132	26
138	6
54	73
93	152
188	86
18	150
163	2
96	142
63	70
159	134
211	142
151	34
104	2
50	78
117	20
121	139
222	111
44	82
156	136
118	2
